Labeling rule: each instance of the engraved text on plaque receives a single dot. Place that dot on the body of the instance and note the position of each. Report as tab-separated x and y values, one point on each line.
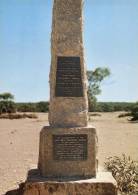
68	77
70	147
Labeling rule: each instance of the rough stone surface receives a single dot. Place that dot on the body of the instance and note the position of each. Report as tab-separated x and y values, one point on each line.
103	184
67	41
65	168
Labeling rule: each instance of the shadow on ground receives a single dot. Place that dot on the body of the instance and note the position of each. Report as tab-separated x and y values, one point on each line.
18	191
34	176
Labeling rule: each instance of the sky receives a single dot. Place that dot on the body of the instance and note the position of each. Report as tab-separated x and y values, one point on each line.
110	40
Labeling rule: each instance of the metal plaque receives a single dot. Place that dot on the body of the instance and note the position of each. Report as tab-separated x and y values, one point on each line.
68	77
70	147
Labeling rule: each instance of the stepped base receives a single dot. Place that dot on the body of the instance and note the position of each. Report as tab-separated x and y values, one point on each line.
103	184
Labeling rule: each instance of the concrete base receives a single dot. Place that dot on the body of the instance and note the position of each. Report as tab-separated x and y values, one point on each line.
103	184
76	156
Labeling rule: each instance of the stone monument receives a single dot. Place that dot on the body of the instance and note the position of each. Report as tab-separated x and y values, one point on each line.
68	146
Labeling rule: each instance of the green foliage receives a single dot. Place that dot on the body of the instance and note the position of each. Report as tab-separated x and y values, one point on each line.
95	78
42	106
18	116
92	101
124	115
105	107
6	103
7	107
134	112
33	107
112	106
26	107
125	171
6	96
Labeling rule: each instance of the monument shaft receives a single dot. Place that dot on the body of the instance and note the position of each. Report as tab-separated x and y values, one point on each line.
68	83
68	147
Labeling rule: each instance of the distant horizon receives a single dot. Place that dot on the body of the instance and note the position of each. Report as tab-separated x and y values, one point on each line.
110	40
97	101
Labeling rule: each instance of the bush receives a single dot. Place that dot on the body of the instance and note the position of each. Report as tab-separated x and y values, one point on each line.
94	114
18	116
124	115
33	107
7	107
42	106
26	107
125	171
134	112
111	106
105	107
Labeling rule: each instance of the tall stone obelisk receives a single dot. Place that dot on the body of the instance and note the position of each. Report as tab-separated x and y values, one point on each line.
68	145
67	153
68	82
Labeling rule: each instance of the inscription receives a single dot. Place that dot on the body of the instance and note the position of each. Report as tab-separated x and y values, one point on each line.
68	77
70	147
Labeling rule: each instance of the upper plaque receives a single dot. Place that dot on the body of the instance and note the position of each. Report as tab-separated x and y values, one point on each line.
68	77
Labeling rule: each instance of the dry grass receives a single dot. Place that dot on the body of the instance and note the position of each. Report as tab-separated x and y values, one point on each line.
18	116
125	171
125	114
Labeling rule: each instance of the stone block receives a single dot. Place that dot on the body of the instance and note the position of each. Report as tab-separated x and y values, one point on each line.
68	152
103	184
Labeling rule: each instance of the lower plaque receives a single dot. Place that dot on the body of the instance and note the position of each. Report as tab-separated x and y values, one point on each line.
70	147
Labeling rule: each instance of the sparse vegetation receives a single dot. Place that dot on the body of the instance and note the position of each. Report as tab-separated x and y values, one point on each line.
91	114
6	96
125	171
94	114
26	107
134	112
42	106
18	116
113	106
7	104
127	114
33	107
95	79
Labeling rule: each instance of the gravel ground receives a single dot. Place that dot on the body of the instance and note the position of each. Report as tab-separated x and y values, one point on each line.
19	144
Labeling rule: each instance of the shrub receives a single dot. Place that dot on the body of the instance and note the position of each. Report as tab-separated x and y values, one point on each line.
94	114
33	107
113	106
7	107
124	115
26	107
42	106
134	112
18	116
30	116
125	171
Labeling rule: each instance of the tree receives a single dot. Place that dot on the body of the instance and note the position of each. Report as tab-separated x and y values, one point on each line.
6	96
95	78
6	103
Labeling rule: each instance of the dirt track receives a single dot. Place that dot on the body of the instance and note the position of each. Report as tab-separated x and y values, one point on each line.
19	144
